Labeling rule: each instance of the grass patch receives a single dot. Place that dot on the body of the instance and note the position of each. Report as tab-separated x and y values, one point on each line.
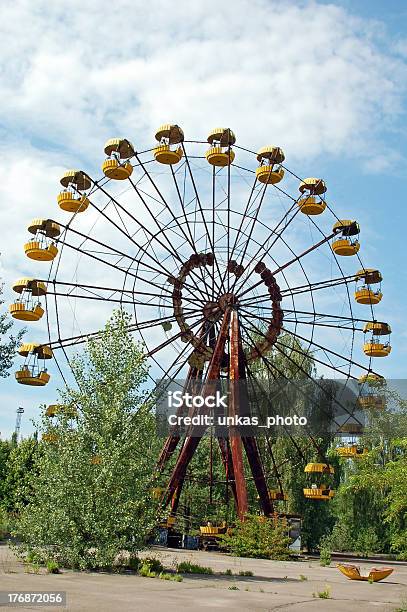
326	594
186	567
173	577
233	588
52	567
146	572
303	578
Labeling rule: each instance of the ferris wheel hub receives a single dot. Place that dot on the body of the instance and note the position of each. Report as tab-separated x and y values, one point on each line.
228	300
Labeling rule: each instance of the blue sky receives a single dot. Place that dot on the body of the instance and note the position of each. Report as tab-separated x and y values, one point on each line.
327	81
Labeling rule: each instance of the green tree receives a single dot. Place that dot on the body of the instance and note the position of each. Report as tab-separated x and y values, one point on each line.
92	496
5	449
20	474
257	536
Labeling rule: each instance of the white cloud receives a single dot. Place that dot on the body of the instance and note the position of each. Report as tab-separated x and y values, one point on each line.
311	78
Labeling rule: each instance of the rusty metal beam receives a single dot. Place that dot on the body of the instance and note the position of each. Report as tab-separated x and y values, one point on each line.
191	441
234	411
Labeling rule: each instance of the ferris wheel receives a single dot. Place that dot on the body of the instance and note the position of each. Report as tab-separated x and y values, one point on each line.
223	256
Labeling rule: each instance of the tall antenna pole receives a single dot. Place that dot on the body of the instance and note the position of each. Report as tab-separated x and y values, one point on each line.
20	412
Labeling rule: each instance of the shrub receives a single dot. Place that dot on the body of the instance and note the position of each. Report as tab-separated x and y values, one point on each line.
246	573
52	567
367	542
4	524
153	564
258	536
173	577
326	594
186	567
146	572
134	563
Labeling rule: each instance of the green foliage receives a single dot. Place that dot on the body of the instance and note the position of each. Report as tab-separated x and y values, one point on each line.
303	578
153	564
83	512
246	573
134	563
146	571
325	594
4	524
173	577
186	567
325	556
52	567
5	449
257	536
22	472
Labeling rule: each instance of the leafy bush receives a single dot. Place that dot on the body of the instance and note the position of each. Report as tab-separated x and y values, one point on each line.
4	524
186	567
153	564
325	557
342	538
246	573
367	542
258	536
173	577
134	563
52	567
326	594
146	572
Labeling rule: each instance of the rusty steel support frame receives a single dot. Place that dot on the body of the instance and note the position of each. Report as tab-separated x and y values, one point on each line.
234	411
191	441
232	447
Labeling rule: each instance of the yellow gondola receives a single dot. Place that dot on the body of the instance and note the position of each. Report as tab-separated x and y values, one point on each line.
319	493
31	373
364	294
345	246
42	247
32	377
375	402
376	347
220	153
372	378
117	166
68	201
24	308
353	572
312	203
270	171
78	178
352	451
213	530
319	468
277	495
52	410
169	135
351	428
19	310
50	437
